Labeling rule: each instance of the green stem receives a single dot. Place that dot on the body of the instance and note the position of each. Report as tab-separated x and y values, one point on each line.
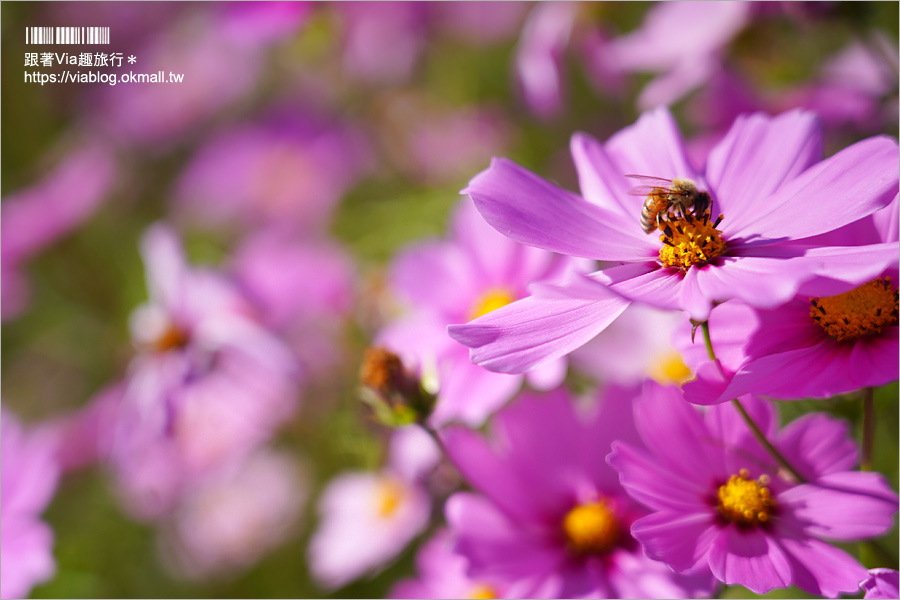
757	432
868	432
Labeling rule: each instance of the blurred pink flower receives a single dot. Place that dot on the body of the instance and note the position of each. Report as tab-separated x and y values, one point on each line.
881	583
720	502
35	217
683	42
550	519
231	517
539	54
209	382
216	73
303	290
637	346
443	573
29	478
253	24
289	172
365	520
474	272
479	23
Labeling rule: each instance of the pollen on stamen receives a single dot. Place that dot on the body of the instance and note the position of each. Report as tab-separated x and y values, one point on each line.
746	501
690	240
866	310
591	528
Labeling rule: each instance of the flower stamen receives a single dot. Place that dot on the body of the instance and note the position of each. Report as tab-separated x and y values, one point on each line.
491	300
591	528
862	311
690	240
746	501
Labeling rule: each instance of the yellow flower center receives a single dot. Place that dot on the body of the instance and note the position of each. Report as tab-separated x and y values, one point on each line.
866	310
390	496
670	368
591	528
482	591
491	300
690	240
746	501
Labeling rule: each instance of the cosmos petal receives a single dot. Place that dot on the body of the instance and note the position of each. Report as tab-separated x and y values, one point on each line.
756	157
843	188
681	541
820	568
532	211
600	180
533	331
749	558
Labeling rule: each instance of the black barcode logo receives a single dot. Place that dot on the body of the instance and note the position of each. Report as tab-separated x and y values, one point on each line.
67	35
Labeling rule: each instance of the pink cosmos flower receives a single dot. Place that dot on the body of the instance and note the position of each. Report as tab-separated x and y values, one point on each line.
635	347
208	384
29	480
684	61
233	516
754	254
454	281
303	290
442	573
881	583
289	172
385	509
721	503
549	519
539	54
216	73
34	218
831	339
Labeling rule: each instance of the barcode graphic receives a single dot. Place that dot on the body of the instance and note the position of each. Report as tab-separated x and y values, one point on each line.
67	35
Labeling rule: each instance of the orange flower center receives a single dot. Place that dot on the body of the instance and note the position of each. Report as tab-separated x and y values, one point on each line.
866	310
746	501
591	528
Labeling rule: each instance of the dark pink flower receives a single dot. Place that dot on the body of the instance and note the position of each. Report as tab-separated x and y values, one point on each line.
548	518
881	583
721	502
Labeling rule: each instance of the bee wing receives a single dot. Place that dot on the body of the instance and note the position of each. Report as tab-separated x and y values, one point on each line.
644	190
653	181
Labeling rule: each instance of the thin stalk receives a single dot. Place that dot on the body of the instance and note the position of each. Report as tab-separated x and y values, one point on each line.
757	432
868	432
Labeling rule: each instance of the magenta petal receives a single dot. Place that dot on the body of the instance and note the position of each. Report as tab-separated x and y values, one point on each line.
652	146
674	430
494	545
644	282
533	331
818	445
492	476
679	540
880	584
844	506
530	210
653	484
757	156
819	371
708	385
873	360
761	282
434	274
845	187
820	568
469	393
749	558
600	180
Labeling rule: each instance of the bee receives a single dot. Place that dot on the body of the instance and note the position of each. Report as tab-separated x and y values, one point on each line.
665	197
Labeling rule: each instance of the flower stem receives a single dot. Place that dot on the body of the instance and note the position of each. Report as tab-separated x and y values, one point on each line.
868	432
757	432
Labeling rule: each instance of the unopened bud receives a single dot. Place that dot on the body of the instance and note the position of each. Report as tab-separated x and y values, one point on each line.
395	395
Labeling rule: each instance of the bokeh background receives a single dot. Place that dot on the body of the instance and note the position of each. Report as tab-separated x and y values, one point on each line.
348	129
